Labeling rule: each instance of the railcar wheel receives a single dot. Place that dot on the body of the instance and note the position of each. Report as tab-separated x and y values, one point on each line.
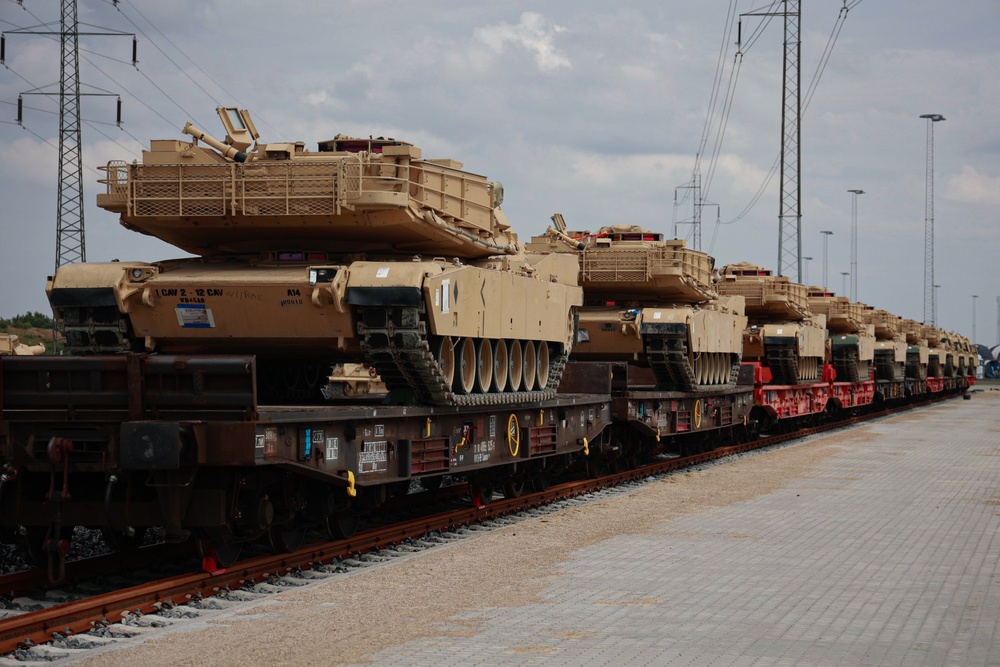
484	366
501	369
513	487
285	538
221	546
544	365
530	368
516	365
541	480
343	525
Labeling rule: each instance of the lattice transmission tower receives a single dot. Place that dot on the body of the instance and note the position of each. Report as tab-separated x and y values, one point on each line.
70	238
789	210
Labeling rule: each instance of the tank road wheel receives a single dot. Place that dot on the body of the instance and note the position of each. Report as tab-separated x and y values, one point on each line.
544	365
530	368
501	369
444	352
484	366
516	365
699	369
465	379
343	525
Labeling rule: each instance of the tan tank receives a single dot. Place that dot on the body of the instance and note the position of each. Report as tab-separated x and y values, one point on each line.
890	344
651	301
852	340
917	350
359	252
11	345
353	381
936	353
783	334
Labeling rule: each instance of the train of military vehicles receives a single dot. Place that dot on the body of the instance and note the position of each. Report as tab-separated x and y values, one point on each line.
358	318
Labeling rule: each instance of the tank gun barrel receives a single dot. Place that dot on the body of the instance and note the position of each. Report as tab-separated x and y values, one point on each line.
560	235
226	150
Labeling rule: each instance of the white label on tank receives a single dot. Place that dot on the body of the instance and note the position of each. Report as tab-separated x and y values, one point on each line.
446	295
656	315
779	330
382	272
194	316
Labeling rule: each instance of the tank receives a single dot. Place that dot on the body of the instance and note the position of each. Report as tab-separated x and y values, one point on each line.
890	344
783	334
651	301
352	381
936	354
917	350
852	340
11	345
359	252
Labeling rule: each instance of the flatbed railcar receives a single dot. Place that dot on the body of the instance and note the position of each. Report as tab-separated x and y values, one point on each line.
790	405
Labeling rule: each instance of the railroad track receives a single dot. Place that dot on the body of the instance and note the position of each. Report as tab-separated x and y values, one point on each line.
20	632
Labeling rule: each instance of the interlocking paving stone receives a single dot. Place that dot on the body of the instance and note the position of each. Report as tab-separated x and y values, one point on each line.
884	554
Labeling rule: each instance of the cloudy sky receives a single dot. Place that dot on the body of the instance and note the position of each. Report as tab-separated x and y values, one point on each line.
589	108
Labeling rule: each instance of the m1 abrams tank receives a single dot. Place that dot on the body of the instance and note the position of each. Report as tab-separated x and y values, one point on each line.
917	350
361	251
936	357
652	301
852	341
890	344
783	334
10	344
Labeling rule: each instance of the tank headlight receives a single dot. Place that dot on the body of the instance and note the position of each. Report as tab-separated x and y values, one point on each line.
137	273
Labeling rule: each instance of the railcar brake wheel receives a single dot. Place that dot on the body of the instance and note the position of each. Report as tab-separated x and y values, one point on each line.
513	435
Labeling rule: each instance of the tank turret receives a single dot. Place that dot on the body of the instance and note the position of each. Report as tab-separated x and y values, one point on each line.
653	301
852	340
783	334
359	252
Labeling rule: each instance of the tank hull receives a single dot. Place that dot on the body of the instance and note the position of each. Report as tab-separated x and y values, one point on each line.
688	347
301	318
793	351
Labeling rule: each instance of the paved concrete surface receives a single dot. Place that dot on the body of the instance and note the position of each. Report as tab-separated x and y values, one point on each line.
886	554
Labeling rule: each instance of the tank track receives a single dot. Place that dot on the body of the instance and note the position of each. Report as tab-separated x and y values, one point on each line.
784	364
667	355
886	367
849	369
396	343
913	370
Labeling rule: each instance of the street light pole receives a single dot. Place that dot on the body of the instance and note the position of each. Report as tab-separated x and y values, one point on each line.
845	274
974	297
929	300
826	280
854	242
807	260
